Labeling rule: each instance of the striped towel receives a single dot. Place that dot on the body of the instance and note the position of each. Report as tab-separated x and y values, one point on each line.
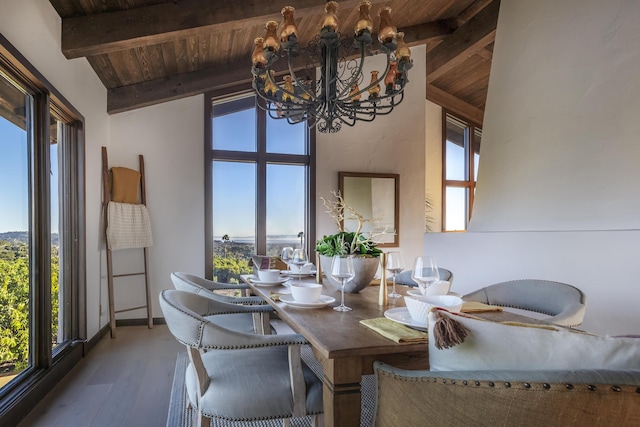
128	226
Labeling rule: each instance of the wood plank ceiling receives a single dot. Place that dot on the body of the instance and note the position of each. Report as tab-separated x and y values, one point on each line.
150	51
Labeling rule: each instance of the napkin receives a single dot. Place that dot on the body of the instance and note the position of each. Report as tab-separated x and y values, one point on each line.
305	269
395	331
478	307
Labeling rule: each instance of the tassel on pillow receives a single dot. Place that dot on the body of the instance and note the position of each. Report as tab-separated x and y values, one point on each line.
447	332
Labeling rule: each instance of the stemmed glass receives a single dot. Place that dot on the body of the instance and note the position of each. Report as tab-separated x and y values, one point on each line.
342	270
286	255
394	265
299	258
425	272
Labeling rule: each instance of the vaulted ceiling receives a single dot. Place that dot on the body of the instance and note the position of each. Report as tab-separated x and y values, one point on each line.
150	51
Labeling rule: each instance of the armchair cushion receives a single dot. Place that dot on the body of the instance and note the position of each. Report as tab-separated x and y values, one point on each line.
244	391
491	345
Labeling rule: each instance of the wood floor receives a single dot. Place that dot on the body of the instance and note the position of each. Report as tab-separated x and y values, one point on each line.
122	382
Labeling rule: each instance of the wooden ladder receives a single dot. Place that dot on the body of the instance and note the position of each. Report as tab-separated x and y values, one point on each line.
106	178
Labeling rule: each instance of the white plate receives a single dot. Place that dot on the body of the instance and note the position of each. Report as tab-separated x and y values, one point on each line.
401	315
323	301
258	282
419	294
292	274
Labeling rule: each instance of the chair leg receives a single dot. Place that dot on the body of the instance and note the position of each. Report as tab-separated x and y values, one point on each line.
286	422
317	420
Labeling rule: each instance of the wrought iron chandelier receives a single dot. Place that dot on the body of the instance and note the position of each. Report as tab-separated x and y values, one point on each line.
337	96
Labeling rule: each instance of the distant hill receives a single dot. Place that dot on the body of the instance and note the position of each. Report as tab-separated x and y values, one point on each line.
23	237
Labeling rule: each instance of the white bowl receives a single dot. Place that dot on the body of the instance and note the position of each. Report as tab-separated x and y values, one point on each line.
419	307
269	275
306	292
441	287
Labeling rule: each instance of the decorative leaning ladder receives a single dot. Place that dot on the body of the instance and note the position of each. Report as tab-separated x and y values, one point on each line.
107	187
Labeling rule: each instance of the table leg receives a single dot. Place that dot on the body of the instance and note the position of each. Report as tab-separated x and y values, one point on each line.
341	391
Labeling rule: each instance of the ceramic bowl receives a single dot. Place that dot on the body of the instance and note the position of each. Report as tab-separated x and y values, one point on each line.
269	275
441	287
306	292
419	306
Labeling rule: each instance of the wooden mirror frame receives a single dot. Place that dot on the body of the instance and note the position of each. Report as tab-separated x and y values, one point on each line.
391	243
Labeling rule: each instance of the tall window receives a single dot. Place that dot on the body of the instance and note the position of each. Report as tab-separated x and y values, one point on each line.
41	249
259	178
461	154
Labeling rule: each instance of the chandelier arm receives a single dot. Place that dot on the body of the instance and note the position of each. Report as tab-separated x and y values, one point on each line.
380	79
355	76
299	83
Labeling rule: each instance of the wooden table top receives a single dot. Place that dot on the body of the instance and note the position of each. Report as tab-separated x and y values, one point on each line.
339	334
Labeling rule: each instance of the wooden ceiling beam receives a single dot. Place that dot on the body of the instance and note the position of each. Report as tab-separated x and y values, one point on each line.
148	93
470	39
160	23
456	105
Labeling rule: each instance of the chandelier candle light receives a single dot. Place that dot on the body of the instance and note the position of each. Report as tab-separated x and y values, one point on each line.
340	95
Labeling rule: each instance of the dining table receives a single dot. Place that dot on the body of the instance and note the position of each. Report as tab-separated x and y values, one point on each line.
345	348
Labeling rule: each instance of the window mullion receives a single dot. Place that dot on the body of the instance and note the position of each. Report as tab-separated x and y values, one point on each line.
261	184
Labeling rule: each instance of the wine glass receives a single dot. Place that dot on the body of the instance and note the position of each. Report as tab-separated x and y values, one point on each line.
394	265
425	272
342	270
299	259
286	255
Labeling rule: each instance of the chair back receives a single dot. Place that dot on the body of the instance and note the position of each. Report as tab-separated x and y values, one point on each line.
404	278
490	398
565	304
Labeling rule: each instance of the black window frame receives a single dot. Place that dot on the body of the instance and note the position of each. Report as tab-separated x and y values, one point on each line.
47	367
241	99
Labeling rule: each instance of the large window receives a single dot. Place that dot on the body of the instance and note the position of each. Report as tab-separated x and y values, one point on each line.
258	186
41	248
461	154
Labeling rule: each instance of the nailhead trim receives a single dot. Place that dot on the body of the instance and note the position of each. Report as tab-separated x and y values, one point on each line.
591	387
478	384
507	384
491	384
546	386
569	386
527	385
616	388
464	382
638	390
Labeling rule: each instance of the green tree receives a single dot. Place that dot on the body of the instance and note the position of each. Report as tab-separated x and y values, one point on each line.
14	312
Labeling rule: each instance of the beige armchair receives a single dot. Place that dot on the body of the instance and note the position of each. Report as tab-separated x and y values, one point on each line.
506	398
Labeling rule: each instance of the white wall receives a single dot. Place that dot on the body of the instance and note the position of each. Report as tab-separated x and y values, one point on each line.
170	136
389	144
558	171
33	27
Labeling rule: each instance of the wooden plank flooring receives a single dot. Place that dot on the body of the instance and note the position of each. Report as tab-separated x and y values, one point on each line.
122	382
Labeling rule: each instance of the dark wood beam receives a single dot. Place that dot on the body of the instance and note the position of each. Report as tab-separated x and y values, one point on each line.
458	106
152	92
126	29
469	39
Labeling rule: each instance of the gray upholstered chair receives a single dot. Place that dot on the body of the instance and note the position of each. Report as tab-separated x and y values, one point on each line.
505	398
564	304
404	278
251	315
235	376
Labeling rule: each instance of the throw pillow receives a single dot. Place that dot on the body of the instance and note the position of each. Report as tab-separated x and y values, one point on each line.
497	346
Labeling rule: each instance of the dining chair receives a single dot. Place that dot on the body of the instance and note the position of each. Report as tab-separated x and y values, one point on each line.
404	278
564	304
234	376
252	313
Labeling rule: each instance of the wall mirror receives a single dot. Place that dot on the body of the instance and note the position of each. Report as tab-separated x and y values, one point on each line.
374	196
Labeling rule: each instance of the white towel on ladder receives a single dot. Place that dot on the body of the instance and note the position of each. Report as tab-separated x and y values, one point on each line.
128	226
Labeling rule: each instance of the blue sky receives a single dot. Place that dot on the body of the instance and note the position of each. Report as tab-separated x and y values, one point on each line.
234	183
14	179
